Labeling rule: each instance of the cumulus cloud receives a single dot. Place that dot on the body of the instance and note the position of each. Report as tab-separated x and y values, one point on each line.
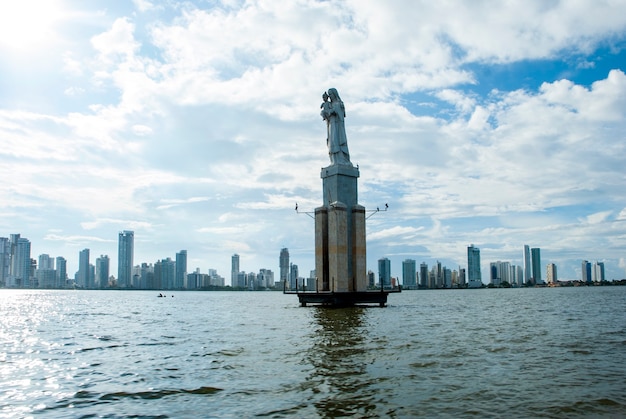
201	123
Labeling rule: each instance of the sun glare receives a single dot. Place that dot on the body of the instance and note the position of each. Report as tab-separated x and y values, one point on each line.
26	25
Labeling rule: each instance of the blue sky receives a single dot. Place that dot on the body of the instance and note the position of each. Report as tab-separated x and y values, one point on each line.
196	124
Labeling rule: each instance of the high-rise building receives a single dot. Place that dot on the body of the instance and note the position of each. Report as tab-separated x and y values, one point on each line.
535	256
181	269
551	277
102	271
164	273
586	272
125	253
501	273
527	270
266	278
283	263
597	273
384	272
82	276
473	267
196	279
21	262
423	275
409	274
519	276
234	270
45	262
61	272
447	277
45	274
293	276
5	260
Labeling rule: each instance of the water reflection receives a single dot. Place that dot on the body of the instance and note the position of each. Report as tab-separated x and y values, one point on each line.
339	356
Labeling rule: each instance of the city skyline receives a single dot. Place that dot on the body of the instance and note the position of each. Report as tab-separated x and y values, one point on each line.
196	125
15	256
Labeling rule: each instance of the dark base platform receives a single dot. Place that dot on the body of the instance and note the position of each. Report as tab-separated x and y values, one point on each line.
343	299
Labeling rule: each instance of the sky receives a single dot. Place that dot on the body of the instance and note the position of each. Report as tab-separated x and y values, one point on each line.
196	125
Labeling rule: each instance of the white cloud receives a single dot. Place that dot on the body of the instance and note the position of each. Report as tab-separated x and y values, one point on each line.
200	127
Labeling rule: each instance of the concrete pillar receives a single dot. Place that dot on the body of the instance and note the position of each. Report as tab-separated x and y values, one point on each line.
338	247
359	256
321	248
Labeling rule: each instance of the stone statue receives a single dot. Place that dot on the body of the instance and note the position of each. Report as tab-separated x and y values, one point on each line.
333	113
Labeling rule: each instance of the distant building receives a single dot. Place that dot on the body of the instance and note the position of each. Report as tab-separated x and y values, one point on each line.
500	273
5	260
519	276
586	271
462	277
102	271
293	276
423	275
82	276
234	270
195	279
283	263
61	272
527	270
535	255
551	277
20	264
181	270
447	277
597	273
409	274
384	272
473	267
45	273
125	253
266	278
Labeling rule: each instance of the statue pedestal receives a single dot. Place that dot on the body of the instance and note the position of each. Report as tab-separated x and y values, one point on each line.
340	251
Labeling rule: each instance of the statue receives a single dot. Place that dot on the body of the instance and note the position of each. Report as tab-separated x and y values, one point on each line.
333	113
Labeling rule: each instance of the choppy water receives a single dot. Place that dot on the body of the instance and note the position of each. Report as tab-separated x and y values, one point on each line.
471	353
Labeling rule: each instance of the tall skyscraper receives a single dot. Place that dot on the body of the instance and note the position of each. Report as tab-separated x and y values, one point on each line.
82	276
293	277
551	277
384	272
125	252
5	260
181	269
473	267
409	273
61	272
168	273
283	263
102	271
234	270
597	273
527	271
423	275
20	261
586	272
535	256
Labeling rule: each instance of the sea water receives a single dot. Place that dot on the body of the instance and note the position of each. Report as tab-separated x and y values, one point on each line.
545	352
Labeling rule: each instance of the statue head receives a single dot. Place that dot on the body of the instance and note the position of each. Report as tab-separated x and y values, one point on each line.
325	96
334	95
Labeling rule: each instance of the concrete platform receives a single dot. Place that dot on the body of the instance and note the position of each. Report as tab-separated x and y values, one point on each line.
343	299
